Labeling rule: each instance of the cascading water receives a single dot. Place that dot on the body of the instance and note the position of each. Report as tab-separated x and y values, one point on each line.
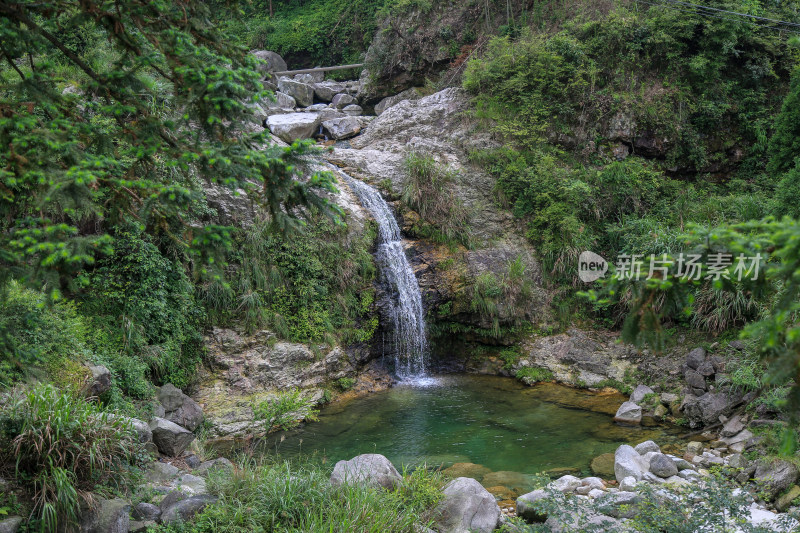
411	345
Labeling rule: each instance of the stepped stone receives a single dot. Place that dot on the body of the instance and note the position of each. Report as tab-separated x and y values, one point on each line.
353	110
327	90
10	524
774	477
108	516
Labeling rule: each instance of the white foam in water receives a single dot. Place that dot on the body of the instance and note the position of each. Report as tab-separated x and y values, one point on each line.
410	337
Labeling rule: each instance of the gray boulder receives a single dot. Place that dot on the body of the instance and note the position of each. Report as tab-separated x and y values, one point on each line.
340	101
170	438
695	380
282	101
326	90
706	409
773	477
293	126
566	484
146	511
353	110
108	516
389	101
217	464
706	368
179	408
640	392
186	509
141	526
663	466
342	128
629	413
646	447
695	358
10	524
273	61
192	484
310	77
159	472
369	469
301	92
526	506
732	427
618	504
466	506
628	463
101	381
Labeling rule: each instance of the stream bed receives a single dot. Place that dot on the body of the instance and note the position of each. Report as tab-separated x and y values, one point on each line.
504	430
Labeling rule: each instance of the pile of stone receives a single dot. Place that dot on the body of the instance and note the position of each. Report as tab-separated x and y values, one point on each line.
645	464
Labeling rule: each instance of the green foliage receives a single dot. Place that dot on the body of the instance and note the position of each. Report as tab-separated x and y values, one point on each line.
428	190
60	447
531	374
787	192
285	411
345	383
784	147
502	302
299	498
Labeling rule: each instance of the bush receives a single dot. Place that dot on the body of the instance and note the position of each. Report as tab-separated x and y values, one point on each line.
61	447
285	411
531	374
299	498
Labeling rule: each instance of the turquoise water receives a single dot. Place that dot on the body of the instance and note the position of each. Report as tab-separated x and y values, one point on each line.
491	421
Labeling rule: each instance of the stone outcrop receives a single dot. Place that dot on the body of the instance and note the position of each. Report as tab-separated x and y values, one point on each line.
370	469
466	506
179	408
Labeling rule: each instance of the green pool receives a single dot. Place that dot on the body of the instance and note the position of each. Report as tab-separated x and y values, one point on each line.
509	429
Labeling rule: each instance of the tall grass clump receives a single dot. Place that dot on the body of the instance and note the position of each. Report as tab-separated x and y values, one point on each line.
61	448
291	497
429	191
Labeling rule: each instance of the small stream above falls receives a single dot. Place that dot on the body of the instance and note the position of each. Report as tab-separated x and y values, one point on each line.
407	313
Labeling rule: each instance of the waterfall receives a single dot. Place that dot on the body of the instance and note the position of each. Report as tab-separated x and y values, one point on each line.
411	345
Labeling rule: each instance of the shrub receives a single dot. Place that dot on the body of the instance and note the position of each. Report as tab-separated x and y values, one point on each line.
345	383
299	497
62	447
531	374
285	411
428	190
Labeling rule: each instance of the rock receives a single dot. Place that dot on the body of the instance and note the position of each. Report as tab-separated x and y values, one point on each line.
10	524
514	480
706	369
101	381
273	61
639	393
526	506
565	484
618	504
353	110
327	90
389	101
108	516
737	460
663	466
301	92
706	409
603	465
736	345
140	427
342	128
773	477
733	426
173	496
695	358
179	408
282	101
695	448
340	101
770	521
192	484
680	463
628	484
660	412
170	438
595	493
695	380
742	436
472	470
785	501
370	469
161	473
668	398
628	462
192	461
629	413
142	526
593	482
646	447
146	511
186	509
220	463
466	506
293	126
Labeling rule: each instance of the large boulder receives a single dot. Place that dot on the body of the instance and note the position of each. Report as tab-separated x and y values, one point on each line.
282	102
101	381
170	438
369	469
218	464
326	90
340	101
663	466
179	408
293	126
353	110
107	516
706	409
639	393
695	358
301	92
185	509
161	473
10	524
647	447
409	94
773	477
526	506
342	128
603	465
629	413
466	507
628	462
273	61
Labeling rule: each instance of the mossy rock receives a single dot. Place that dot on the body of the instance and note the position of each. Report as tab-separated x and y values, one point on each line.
603	466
